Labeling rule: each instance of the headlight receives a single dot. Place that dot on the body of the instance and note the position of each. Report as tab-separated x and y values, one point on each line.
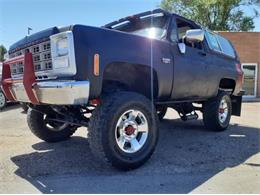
63	53
62	47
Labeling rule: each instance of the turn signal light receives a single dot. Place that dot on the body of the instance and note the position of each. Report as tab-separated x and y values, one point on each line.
96	64
240	78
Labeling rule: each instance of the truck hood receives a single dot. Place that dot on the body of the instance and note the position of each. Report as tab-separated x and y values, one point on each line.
36	38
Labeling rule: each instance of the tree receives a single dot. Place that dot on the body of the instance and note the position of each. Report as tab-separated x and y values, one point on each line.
2	53
219	15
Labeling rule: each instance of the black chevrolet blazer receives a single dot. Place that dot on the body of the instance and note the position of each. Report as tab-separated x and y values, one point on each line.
118	79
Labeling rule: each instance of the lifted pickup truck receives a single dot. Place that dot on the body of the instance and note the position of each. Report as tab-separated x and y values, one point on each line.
119	79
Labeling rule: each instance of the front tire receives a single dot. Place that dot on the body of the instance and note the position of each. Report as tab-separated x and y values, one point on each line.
123	130
217	112
47	130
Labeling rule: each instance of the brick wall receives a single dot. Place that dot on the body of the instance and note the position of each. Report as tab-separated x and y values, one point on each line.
247	45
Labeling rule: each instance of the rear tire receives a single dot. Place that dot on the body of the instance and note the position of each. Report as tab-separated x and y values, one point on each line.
50	133
109	136
217	112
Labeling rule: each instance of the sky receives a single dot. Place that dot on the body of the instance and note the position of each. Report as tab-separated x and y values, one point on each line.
17	15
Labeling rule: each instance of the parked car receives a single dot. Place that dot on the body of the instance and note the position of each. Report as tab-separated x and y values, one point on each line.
3	100
124	74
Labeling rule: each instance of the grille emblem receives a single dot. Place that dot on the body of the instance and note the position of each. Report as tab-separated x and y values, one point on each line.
166	60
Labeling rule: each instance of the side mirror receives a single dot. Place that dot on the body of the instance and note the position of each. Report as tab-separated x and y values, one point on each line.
194	35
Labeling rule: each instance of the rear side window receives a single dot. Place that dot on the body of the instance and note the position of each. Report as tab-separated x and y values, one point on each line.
212	41
226	47
219	43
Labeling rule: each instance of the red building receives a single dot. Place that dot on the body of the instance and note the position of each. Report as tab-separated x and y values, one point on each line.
247	45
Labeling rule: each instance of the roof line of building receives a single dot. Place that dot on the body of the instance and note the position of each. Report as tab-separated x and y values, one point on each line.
240	31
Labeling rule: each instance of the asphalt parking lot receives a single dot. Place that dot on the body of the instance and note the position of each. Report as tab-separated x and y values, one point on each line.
188	159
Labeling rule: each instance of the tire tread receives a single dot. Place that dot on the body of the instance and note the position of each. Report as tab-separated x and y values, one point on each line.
35	123
210	113
100	119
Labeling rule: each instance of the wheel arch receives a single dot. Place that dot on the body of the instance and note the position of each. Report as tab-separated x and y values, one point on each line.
227	84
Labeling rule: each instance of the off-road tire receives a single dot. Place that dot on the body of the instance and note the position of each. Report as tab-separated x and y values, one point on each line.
211	111
101	131
3	100
39	129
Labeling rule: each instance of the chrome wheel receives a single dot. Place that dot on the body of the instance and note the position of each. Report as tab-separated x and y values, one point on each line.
131	131
223	110
2	100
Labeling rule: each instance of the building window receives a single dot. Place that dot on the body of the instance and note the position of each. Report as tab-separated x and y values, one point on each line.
37	67
48	65
250	79
36	49
18	53
46	46
47	56
36	58
20	67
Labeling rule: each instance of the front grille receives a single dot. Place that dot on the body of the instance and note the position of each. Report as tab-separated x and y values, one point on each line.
41	58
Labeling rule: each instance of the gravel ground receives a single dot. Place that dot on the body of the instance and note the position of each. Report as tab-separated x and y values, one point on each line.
188	159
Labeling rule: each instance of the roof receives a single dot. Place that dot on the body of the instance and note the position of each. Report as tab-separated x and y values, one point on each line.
238	32
155	11
134	17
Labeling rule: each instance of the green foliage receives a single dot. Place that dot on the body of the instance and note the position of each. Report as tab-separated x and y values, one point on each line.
219	15
2	53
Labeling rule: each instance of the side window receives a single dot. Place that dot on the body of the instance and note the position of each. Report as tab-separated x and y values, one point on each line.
212	41
219	43
226	46
182	27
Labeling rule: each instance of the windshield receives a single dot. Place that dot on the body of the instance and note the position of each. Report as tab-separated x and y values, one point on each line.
149	26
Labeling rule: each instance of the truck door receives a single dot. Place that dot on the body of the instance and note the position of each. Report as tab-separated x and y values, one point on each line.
190	69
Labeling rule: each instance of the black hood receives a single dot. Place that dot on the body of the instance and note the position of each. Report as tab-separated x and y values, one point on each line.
36	38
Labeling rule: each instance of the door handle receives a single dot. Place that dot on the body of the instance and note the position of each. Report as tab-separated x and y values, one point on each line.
202	53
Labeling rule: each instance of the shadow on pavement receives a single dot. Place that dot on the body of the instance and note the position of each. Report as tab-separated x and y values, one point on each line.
11	106
187	155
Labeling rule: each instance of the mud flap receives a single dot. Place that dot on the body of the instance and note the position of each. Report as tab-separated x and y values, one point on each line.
236	105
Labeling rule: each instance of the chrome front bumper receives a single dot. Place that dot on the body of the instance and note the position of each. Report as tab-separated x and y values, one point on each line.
55	92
